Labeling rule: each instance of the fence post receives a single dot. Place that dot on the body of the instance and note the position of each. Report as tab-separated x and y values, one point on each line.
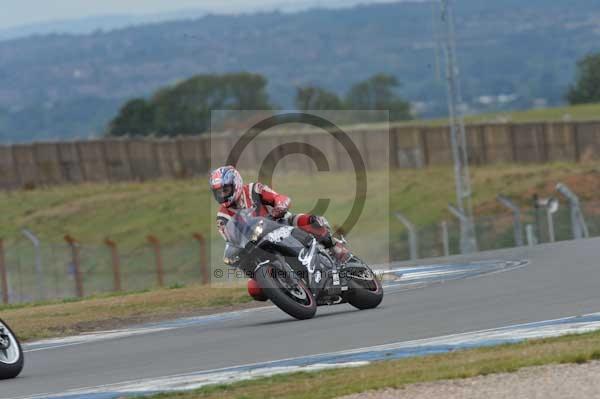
578	224
203	258
155	242
465	247
551	206
76	263
445	240
507	202
531	239
38	263
413	239
3	274
116	263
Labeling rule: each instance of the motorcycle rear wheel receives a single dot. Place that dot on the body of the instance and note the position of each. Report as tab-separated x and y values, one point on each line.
11	359
288	293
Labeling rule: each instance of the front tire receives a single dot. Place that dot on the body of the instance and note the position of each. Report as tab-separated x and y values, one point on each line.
365	293
288	293
11	359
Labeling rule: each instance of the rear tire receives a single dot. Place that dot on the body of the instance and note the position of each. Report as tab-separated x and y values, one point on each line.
11	359
365	294
273	288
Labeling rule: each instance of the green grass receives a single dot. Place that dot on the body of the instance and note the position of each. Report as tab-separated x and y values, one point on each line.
174	210
587	112
576	113
108	311
398	373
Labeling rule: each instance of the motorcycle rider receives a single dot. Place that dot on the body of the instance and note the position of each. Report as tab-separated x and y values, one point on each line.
232	194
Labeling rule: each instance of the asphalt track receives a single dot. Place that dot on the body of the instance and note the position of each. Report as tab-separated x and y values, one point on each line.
558	280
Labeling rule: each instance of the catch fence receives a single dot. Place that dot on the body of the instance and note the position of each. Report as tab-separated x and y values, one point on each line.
72	269
493	232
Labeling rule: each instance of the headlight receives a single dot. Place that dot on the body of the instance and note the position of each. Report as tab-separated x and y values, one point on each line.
257	232
231	256
230	261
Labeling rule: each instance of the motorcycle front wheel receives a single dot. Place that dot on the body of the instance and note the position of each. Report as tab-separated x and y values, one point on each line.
366	291
11	353
287	291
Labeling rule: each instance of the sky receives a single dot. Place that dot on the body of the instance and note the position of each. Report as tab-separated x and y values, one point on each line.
25	12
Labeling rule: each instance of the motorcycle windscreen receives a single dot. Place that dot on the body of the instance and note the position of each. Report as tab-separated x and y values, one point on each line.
240	228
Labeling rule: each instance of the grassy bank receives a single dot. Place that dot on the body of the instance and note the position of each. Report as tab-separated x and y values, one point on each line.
576	113
585	112
65	318
396	374
173	210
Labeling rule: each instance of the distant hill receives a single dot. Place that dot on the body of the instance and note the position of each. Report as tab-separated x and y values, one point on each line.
513	54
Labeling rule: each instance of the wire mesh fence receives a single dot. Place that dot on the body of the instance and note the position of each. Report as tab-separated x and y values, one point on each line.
63	270
495	232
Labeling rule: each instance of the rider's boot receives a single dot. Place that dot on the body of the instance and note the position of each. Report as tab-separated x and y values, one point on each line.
340	251
319	227
337	247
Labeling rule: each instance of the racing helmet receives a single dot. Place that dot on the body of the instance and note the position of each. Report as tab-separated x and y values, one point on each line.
226	185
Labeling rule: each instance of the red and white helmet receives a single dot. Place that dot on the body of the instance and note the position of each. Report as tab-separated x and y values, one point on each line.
227	185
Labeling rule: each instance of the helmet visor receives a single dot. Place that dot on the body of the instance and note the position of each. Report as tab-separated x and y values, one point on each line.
223	194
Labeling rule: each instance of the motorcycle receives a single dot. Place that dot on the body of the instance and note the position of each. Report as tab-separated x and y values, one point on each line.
293	270
11	353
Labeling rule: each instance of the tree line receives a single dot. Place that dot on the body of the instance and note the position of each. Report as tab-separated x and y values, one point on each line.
586	88
185	108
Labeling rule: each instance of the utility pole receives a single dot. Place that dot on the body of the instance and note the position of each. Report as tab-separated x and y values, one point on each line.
468	237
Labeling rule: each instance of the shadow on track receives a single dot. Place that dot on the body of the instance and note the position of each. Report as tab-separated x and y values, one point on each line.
329	314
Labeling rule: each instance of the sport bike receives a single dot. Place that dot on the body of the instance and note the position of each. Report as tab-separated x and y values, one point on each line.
11	354
293	270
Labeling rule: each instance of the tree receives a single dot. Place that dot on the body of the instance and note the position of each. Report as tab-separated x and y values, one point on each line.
246	91
378	93
136	118
587	86
186	107
315	98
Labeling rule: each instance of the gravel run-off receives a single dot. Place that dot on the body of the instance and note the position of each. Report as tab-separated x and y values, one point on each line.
563	381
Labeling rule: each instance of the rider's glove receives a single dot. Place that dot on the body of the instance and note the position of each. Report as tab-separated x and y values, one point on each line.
319	221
